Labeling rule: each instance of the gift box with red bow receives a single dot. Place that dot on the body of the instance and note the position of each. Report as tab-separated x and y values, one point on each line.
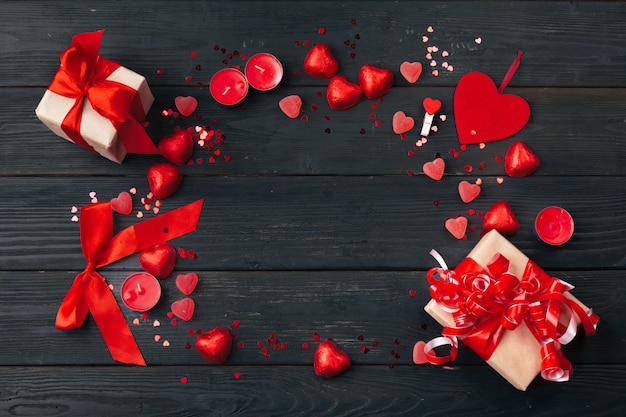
97	103
508	310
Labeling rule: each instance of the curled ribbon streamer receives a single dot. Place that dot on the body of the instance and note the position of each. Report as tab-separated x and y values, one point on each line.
83	76
90	292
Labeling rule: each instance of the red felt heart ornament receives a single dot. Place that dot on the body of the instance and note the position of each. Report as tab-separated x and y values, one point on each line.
375	82
186	105
342	94
468	191
500	217
164	179
520	160
291	105
401	123
457	226
434	169
431	105
330	360
158	260
320	62
123	203
215	345
186	283
183	309
177	147
411	71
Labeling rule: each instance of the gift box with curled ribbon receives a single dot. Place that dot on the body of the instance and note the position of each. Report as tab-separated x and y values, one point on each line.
508	310
97	103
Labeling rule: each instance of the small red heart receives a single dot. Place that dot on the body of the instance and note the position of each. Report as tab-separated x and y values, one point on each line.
164	179
158	260
342	94
401	123
330	360
215	345
186	105
177	147
500	217
419	355
457	226
183	309
375	82
434	169
320	62
520	160
468	191
291	105
431	106
123	203
411	71
482	114
186	283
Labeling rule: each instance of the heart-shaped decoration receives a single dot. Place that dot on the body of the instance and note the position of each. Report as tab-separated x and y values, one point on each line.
215	345
164	179
431	105
177	147
483	114
401	123
183	309
123	203
158	260
520	160
186	283
434	169
330	360
291	105
419	353
320	62
500	217
468	191
457	226
375	82
342	94
186	105
411	71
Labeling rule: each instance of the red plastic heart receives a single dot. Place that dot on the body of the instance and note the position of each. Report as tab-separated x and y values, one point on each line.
401	123
177	147
434	169
419	355
411	71
342	94
158	260
375	82
186	283
320	62
457	226
520	160
291	105
501	217
164	179
123	203
468	191
186	105
431	105
183	309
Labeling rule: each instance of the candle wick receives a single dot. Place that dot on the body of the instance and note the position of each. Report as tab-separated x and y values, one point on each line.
139	289
226	90
259	68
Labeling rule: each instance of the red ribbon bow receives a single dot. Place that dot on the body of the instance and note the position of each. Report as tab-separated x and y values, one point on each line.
83	75
90	292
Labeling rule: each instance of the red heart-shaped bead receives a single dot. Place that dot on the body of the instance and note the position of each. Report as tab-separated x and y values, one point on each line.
177	147
401	123
123	203
500	217
158	260
186	283
320	62
468	191
375	82
215	345
291	105
482	114
411	71
183	309
342	94
164	179
330	360
520	160
431	105
434	169
186	105
457	226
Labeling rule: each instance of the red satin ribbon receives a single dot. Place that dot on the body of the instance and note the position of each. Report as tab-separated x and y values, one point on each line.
90	292
83	75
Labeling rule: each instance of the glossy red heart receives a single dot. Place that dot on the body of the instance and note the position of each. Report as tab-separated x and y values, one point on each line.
164	179
457	226
330	360
215	345
158	260
291	105
183	309
123	203
520	160
342	94
177	147
411	71
320	62
375	82
482	114
501	217
434	169
401	123
186	105
186	283
468	191
419	354
431	105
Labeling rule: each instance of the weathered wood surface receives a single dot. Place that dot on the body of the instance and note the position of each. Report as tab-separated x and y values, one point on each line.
306	231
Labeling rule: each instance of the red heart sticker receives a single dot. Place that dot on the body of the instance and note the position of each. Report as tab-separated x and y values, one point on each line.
123	203
183	309
186	283
431	106
186	105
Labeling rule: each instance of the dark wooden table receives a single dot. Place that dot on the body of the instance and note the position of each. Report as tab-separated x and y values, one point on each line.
313	226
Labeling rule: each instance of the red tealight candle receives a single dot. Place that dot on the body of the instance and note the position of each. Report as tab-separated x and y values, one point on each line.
554	225
141	291
264	71
228	86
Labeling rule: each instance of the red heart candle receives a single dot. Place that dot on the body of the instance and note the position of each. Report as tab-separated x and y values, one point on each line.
228	87
141	291
554	225
264	71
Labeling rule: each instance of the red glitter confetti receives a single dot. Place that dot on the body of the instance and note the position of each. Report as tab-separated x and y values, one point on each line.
297	43
160	71
372	116
174	322
188	78
410	172
198	67
305	345
307	43
314	107
360	338
482	166
305	118
468	168
327	130
411	153
316	337
187	345
144	316
498	158
237	375
412	293
396	341
183	380
193	54
170	314
436	203
353	21
321	30
362	131
375	343
240	345
377	123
